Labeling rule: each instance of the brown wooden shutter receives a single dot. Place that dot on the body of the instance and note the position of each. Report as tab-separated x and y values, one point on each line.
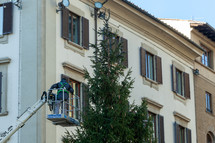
161	129
142	62
189	137
0	92
173	77
177	132
85	33
158	69
211	59
125	51
85	99
186	86
8	18
65	24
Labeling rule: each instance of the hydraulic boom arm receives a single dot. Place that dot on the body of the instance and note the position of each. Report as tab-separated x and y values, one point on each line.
23	118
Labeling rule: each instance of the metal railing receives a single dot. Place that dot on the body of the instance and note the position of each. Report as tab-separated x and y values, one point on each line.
69	107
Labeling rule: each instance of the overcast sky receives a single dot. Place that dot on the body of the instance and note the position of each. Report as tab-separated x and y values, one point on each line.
199	10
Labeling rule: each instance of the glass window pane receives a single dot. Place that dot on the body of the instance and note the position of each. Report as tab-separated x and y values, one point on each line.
179	82
1	19
75	29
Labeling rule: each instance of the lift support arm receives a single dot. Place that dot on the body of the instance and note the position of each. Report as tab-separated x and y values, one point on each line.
23	119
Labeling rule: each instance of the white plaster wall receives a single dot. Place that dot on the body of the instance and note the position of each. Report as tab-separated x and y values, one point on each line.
183	26
164	96
11	50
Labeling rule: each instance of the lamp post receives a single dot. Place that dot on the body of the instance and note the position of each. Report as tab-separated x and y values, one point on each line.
98	6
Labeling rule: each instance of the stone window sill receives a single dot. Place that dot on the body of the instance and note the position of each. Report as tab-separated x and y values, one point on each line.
4	39
74	47
151	83
180	98
4	113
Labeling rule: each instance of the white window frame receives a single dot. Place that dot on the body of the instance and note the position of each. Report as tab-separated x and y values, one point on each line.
1	20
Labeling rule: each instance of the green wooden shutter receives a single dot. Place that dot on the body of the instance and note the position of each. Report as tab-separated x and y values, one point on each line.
65	24
85	33
142	62
8	18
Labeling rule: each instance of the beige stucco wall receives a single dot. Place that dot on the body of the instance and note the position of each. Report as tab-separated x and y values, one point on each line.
58	52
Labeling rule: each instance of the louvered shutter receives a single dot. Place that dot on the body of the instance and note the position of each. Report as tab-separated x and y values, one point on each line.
177	132
142	62
125	51
186	86
188	133
161	129
8	18
0	92
173	78
65	24
158	69
85	33
85	99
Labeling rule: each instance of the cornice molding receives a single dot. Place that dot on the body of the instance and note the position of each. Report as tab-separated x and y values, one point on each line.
152	103
73	67
180	116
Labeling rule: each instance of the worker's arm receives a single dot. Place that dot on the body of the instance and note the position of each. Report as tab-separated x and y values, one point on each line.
54	86
71	90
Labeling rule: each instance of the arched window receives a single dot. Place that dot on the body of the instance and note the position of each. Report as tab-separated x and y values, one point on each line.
210	137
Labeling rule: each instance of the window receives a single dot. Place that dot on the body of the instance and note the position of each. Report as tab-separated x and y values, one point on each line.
158	126
75	29
179	88
6	18
180	82
3	85
207	57
182	134
151	66
208	102
115	41
210	137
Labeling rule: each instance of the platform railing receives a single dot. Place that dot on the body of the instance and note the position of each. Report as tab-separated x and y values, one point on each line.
70	107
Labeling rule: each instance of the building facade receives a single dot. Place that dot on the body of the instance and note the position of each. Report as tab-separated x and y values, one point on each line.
204	35
162	61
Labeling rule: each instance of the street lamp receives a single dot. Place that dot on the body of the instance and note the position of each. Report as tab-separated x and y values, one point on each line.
62	4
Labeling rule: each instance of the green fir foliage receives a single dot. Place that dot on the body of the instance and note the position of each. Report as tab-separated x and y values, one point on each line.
109	118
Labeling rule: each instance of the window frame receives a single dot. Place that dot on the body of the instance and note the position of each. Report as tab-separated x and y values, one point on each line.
150	64
182	134
1	20
181	92
207	57
71	39
154	118
208	102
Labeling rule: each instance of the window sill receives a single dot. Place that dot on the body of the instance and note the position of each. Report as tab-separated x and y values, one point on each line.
4	113
74	47
180	98
4	39
151	83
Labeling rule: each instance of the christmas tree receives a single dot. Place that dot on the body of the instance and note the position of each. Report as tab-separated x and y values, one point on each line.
109	118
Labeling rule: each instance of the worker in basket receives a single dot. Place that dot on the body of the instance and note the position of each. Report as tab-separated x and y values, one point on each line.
63	90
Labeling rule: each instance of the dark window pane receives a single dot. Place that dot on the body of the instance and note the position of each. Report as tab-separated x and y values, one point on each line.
70	27
179	81
149	66
208	102
75	29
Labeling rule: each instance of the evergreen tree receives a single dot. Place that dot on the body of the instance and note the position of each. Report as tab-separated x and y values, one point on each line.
109	118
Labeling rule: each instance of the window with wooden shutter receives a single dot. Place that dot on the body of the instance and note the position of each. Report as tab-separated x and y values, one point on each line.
0	92
151	66
180	82
182	134
188	135
71	28
6	18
